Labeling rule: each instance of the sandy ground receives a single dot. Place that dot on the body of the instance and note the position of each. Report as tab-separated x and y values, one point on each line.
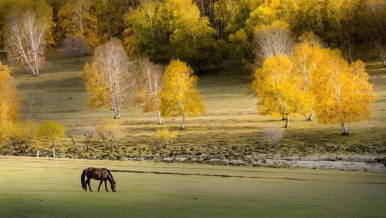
369	163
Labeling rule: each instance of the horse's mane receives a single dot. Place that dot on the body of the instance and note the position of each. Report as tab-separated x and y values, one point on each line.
110	174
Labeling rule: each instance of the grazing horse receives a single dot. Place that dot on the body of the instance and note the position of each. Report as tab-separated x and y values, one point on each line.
101	174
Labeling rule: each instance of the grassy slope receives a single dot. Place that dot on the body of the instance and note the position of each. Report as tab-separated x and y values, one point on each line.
231	115
40	187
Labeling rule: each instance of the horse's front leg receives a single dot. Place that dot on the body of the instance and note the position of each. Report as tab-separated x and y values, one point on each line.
106	186
100	183
88	183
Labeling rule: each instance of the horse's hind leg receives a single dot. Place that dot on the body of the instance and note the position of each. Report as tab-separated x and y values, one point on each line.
100	184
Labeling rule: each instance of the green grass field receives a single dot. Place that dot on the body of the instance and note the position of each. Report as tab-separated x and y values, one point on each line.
42	187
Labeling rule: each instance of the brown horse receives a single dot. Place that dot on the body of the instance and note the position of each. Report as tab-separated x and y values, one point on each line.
101	174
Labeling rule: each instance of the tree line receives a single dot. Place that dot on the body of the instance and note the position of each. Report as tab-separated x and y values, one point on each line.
200	32
301	52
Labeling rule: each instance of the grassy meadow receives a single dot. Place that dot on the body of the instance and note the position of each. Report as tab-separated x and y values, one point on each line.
45	187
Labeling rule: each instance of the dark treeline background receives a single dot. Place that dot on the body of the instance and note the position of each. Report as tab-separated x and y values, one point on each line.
206	32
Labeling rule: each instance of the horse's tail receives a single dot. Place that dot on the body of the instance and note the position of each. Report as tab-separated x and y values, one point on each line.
83	180
110	174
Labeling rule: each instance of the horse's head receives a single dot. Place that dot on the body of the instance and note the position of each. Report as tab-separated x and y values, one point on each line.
113	186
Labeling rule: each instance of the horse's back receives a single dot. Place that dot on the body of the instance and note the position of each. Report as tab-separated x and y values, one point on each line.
96	173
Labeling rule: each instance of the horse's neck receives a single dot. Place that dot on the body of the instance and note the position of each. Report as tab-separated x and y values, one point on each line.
110	178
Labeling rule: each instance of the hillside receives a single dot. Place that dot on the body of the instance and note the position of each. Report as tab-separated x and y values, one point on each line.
231	129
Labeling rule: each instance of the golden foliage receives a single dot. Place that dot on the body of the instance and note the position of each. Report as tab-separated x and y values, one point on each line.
179	96
276	87
342	91
167	135
97	87
22	133
51	130
76	19
9	97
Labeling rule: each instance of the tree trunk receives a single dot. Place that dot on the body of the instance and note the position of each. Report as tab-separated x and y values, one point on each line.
87	142
117	114
22	148
159	117
351	49
74	143
345	131
53	149
286	122
108	25
183	122
309	118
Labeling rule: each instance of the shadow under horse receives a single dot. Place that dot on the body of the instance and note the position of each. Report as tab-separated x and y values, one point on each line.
101	174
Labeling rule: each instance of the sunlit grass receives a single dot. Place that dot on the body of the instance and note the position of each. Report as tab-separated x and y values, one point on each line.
42	187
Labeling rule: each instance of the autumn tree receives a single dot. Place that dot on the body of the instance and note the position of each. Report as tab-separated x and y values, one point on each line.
71	132
149	77
306	59
179	96
273	40
110	18
343	31
88	132
372	18
108	79
31	103
309	15
9	97
277	87
262	21
77	19
96	85
75	46
166	135
52	131
26	40
274	134
110	132
342	92
43	12
147	30
175	29
22	133
192	38
223	11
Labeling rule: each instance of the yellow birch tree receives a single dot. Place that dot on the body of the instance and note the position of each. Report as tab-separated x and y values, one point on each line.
342	92
179	96
9	97
108	79
277	87
306	60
